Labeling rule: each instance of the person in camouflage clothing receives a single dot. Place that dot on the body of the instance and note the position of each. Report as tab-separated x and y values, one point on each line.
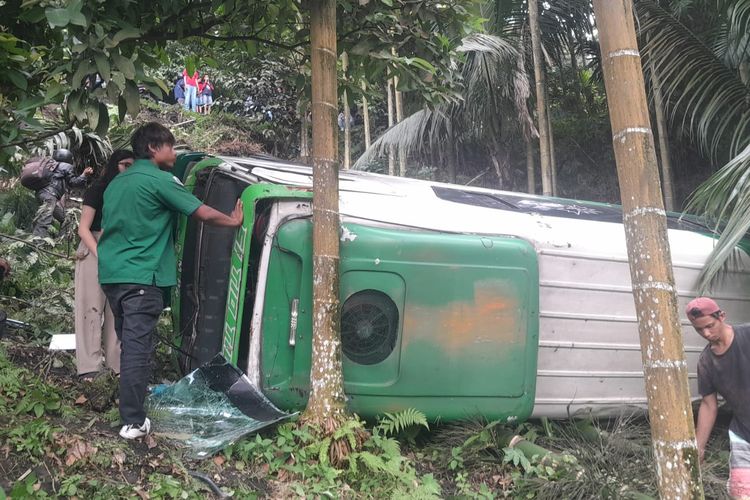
50	197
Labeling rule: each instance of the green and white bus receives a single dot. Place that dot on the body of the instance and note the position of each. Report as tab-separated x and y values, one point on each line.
455	300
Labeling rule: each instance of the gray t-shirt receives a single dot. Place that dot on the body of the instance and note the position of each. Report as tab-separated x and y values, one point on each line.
729	375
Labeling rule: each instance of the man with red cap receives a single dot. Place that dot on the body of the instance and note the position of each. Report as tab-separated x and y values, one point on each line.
724	368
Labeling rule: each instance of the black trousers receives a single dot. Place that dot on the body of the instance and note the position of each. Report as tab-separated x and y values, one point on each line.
136	309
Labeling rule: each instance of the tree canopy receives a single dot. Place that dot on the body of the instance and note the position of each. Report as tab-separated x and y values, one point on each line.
52	52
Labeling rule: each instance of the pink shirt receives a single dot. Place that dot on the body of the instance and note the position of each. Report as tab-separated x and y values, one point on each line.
190	80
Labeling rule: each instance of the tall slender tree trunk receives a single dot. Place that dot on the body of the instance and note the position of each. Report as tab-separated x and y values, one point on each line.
304	133
325	407
347	115
530	172
399	116
661	127
541	102
450	153
391	122
664	366
366	116
574	67
551	138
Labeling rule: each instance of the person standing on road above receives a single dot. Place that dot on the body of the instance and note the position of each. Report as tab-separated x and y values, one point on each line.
191	90
137	258
724	368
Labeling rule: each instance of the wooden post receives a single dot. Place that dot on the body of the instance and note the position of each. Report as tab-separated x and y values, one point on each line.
664	365
541	103
325	407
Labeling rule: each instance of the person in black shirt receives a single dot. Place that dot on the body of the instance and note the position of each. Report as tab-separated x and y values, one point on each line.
724	369
91	309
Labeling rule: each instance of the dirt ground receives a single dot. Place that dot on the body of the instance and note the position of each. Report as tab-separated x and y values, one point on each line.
85	450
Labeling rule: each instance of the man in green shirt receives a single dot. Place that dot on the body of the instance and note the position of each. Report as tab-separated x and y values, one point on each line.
137	258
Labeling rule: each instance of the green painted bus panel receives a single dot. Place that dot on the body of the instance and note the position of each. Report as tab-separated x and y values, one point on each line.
182	162
468	321
286	269
239	270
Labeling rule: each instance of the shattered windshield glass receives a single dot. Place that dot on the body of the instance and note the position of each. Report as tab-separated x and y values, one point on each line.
210	408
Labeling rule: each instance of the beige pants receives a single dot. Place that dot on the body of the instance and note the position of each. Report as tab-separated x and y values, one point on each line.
93	317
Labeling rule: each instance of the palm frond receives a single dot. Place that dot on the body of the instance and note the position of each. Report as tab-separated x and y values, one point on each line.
495	97
724	199
703	96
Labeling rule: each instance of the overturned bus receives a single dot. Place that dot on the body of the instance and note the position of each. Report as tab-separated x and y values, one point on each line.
456	301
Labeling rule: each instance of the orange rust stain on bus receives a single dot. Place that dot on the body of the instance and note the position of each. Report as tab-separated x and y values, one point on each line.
492	318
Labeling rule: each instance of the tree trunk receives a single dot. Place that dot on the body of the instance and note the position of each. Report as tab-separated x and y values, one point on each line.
391	122
325	407
664	366
574	67
530	173
541	104
661	126
347	114
366	116
399	117
450	155
304	134
551	138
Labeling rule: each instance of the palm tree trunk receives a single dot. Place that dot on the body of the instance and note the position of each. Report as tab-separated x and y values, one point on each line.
399	117
661	127
662	351
551	138
450	153
530	172
347	114
541	105
574	67
304	133
391	122
325	407
366	116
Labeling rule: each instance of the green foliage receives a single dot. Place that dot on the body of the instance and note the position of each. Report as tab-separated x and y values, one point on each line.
162	486
39	400
40	287
27	488
52	52
374	468
18	207
406	424
24	394
30	437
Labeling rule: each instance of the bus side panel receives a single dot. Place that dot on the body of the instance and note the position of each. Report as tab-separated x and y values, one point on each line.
463	311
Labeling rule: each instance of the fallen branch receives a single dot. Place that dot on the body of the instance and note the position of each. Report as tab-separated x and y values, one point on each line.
36	247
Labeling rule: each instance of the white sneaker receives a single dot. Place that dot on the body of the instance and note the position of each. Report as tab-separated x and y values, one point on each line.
134	431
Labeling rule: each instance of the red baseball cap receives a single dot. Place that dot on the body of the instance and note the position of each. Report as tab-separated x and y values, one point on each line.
702	306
